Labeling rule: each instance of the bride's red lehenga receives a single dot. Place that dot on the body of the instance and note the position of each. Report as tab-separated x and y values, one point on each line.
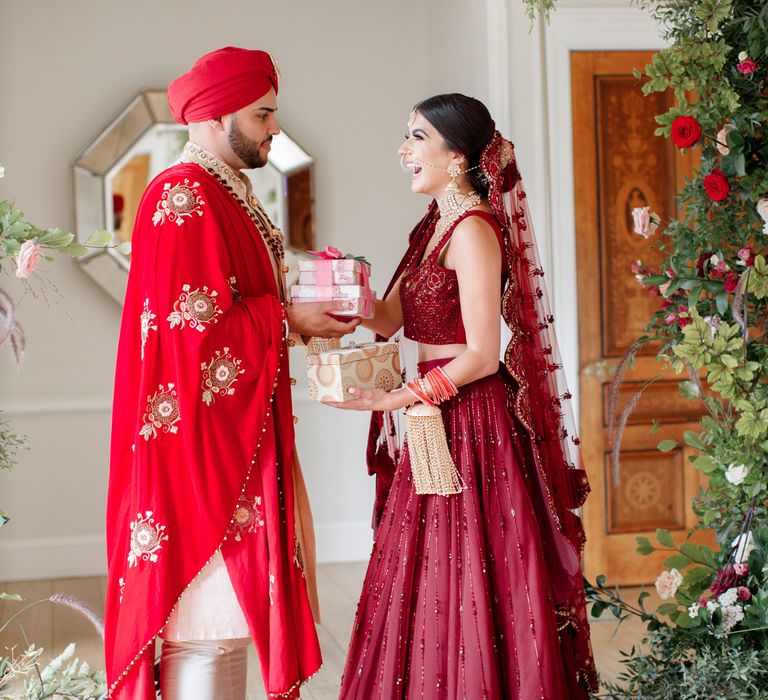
480	595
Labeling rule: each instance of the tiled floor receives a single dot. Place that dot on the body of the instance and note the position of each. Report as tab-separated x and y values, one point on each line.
53	626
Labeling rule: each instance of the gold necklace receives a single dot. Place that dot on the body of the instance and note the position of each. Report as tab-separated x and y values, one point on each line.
453	205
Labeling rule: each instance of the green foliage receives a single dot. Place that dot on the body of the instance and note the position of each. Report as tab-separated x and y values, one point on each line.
10	444
712	329
64	677
15	230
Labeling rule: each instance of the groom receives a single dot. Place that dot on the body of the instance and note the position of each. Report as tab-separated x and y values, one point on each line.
209	532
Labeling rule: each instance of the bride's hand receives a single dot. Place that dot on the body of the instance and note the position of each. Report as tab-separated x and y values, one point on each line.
373	400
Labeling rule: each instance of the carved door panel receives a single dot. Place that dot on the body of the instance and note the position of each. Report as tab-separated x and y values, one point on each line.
618	165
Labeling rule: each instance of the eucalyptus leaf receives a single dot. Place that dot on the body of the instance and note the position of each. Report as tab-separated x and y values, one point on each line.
666	445
75	250
98	239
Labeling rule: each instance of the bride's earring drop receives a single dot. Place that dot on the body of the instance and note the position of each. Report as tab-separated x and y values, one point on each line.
454	170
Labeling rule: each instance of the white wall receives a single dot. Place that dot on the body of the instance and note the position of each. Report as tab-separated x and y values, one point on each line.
351	71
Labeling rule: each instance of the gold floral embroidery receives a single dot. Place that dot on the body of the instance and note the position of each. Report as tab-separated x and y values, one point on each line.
147	539
197	307
146	325
162	413
178	203
247	517
219	375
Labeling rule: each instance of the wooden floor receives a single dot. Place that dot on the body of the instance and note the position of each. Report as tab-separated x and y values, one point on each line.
53	626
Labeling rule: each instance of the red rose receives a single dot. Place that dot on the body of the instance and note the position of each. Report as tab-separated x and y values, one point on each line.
686	131
747	67
727	577
744	593
731	282
703	600
717	186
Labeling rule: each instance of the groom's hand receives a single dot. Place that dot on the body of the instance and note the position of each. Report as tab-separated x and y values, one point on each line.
312	318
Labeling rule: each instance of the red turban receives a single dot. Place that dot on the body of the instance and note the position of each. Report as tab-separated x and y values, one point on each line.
221	82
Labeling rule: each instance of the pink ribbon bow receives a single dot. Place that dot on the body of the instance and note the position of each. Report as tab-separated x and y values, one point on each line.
330	253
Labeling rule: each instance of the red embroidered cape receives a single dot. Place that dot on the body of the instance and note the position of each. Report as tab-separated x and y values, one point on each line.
202	436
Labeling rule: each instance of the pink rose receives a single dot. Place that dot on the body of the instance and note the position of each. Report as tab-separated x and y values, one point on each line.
667	583
670	319
741	569
747	256
664	287
703	601
646	222
744	593
27	259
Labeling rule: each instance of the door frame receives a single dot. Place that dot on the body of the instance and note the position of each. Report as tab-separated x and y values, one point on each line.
576	29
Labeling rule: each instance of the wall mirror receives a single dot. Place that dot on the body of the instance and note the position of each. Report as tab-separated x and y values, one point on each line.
110	176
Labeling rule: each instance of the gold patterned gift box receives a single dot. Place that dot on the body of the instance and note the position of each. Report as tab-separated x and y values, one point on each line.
369	366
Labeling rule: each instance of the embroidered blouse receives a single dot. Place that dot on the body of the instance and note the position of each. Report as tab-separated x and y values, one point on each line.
429	294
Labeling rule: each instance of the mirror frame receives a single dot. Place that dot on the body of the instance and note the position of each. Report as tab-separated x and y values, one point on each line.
108	267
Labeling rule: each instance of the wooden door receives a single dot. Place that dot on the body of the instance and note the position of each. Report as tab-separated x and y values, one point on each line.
618	165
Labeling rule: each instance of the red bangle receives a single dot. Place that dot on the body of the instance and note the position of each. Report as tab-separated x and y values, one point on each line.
450	386
415	389
437	390
445	386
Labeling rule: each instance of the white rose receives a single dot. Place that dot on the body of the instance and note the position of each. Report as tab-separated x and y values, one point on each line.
743	56
736	473
712	605
729	597
744	546
722	139
732	615
714	322
762	210
667	583
693	611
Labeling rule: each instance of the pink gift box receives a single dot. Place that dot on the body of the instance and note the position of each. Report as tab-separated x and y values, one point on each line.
338	271
360	297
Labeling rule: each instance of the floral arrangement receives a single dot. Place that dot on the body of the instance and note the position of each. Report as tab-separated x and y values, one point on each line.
708	639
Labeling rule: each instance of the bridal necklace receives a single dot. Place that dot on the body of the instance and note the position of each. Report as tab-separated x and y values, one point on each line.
454	203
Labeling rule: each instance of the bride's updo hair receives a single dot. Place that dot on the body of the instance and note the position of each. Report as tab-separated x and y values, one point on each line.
467	127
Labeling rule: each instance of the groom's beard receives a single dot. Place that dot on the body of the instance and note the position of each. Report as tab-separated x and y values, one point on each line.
246	149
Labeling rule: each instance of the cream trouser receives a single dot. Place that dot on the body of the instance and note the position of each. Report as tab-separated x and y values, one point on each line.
204	670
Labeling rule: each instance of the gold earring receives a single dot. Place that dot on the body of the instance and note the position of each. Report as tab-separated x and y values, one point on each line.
454	170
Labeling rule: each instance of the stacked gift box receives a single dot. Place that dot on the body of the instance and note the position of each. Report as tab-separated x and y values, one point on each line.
331	277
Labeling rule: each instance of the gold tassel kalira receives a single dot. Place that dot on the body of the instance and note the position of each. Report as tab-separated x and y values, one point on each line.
432	466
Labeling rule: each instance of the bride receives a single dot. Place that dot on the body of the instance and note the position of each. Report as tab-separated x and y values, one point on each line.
474	588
